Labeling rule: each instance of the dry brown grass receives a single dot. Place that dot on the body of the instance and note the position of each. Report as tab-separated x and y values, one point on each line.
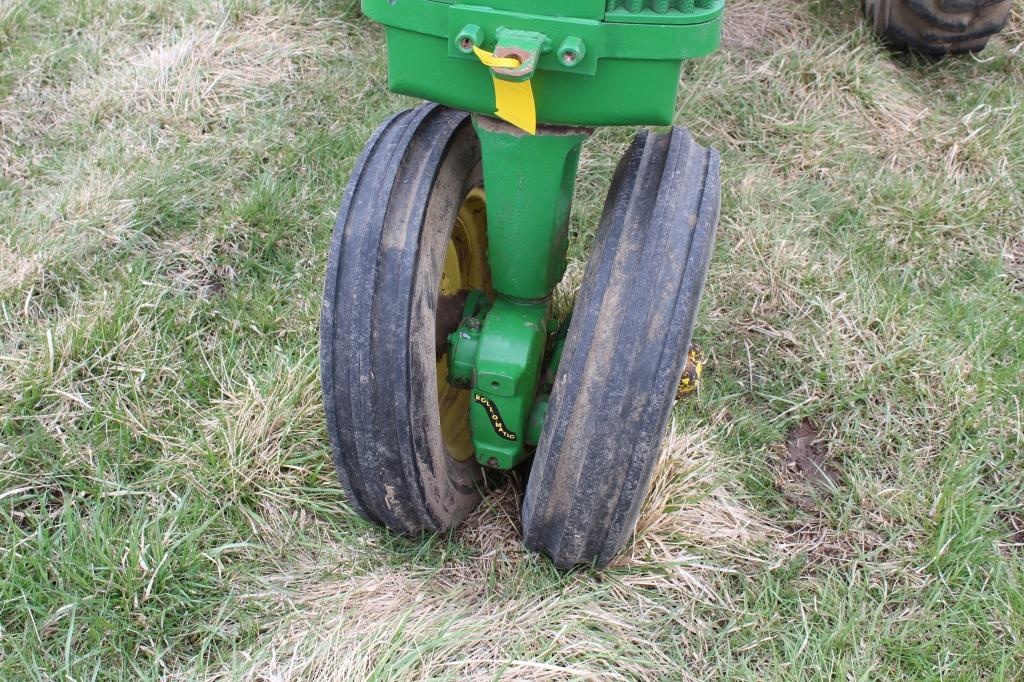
691	506
764	26
463	619
16	269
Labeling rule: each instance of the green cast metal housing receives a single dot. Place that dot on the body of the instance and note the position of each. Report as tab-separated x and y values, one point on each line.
590	63
628	73
500	360
508	366
529	181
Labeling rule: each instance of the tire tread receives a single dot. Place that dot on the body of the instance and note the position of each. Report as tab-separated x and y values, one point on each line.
625	351
372	400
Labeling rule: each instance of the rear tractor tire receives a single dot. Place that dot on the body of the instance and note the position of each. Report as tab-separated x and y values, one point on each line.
938	27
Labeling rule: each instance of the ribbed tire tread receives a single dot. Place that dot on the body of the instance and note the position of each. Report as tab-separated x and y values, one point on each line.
625	351
377	323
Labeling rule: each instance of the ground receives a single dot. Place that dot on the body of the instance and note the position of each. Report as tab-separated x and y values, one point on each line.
841	501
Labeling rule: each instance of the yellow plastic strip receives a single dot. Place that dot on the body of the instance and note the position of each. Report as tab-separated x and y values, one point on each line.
488	59
515	102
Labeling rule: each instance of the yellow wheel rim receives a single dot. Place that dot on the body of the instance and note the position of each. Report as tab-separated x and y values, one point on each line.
465	268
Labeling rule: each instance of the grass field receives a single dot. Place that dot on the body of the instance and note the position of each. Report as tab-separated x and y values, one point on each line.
170	172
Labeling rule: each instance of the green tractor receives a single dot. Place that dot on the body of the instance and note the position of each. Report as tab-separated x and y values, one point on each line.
938	26
442	357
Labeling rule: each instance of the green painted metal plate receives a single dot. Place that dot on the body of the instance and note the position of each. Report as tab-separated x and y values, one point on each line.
629	75
579	9
556	29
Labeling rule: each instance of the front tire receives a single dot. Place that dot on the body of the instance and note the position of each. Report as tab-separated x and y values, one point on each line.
408	238
625	352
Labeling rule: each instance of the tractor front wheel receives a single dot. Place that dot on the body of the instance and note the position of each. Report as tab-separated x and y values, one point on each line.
409	244
625	352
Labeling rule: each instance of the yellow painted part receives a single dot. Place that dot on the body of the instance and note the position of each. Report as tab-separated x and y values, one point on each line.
451	276
514	100
690	381
465	267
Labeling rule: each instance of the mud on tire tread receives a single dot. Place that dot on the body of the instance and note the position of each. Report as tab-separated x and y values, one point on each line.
625	351
377	334
938	26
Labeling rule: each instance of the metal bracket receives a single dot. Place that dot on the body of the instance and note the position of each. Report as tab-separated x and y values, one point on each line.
495	28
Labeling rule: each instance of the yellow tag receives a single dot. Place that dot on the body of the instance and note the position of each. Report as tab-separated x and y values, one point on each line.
516	104
490	60
514	99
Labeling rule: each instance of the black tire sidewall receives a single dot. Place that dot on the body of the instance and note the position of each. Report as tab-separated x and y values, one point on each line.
377	323
451	487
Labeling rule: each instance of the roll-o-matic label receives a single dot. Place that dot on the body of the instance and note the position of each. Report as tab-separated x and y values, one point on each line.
494	417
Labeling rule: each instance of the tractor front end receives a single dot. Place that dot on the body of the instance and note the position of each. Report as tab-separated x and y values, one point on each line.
591	62
441	355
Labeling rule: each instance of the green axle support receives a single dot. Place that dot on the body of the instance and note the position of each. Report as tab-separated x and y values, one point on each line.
530	181
499	349
589	63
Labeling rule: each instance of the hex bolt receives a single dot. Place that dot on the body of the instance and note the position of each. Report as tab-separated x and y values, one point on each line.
572	51
471	35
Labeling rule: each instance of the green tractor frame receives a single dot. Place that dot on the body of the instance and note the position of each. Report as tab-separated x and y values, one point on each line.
442	360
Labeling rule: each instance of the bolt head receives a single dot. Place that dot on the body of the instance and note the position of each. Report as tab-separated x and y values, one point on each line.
469	37
572	51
